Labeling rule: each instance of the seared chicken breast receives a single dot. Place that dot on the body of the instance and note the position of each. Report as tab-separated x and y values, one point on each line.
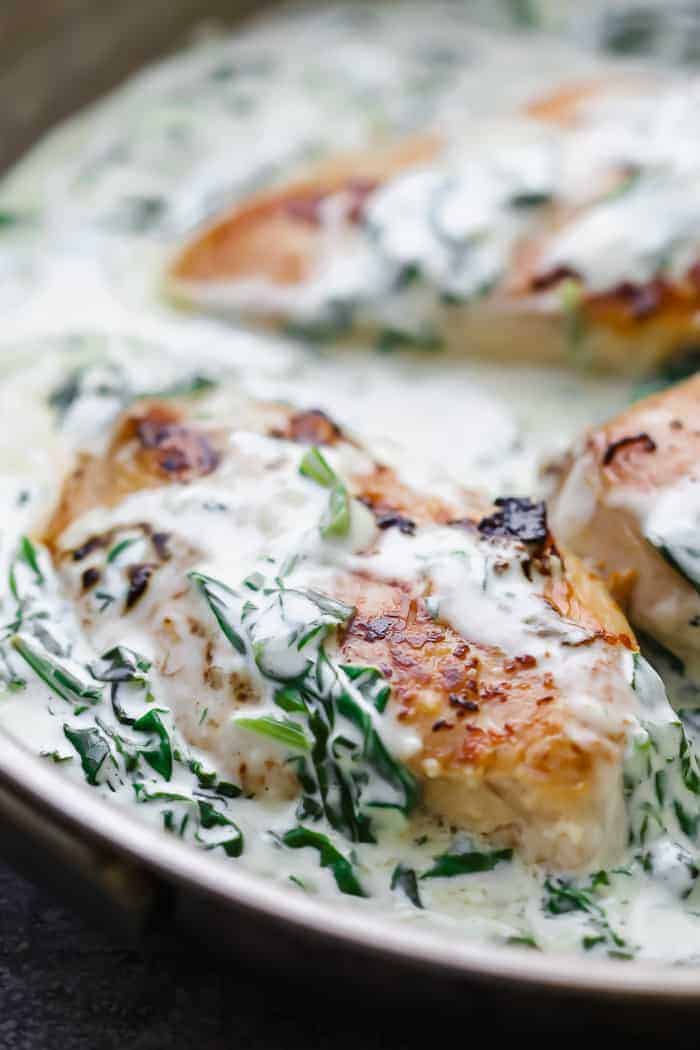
628	501
261	560
569	234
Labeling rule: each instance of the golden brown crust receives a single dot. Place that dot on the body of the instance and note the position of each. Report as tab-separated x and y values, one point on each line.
654	443
310	427
152	444
386	495
500	750
275	235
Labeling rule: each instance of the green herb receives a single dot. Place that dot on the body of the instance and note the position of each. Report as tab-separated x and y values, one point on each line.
121	664
314	465
217	595
170	825
340	611
405	879
120	547
66	683
64	396
469	862
523	940
563	896
122	667
340	866
662	771
105	599
144	795
531	199
12	219
107	380
92	748
290	699
633	31
286	732
191	386
391	339
209	817
28	553
408	275
347	773
254	582
160	756
336	518
370	682
208	780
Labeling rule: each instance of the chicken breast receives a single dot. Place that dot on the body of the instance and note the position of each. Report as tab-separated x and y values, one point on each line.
569	234
260	558
628	501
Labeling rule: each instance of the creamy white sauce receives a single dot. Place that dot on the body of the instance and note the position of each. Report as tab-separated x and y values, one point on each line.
104	199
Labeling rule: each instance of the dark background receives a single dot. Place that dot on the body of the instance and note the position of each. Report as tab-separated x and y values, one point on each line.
67	986
56	55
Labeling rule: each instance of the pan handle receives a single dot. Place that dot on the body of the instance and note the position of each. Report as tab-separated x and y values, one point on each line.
112	890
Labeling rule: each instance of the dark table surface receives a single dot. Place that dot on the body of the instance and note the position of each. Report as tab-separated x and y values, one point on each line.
67	986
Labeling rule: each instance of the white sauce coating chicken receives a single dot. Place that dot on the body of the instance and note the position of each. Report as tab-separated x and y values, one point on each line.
628	501
506	665
568	232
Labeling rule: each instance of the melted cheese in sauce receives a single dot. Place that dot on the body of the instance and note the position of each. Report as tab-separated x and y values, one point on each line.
93	214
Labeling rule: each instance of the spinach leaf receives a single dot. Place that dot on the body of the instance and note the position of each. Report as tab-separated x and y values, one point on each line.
93	749
344	768
68	684
217	596
468	862
315	466
209	817
335	520
336	517
160	755
563	896
370	682
342	869
405	879
285	731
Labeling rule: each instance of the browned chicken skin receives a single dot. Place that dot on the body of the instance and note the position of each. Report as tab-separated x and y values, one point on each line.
609	507
504	746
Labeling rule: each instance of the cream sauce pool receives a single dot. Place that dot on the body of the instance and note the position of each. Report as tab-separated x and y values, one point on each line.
87	222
